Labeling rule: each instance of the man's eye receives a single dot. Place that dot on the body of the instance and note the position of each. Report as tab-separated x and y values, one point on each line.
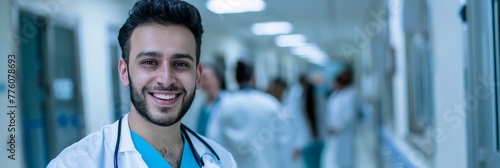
149	63
181	65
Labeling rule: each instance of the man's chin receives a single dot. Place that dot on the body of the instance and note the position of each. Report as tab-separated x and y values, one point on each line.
164	120
165	115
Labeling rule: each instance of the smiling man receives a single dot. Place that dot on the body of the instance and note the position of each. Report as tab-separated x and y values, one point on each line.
161	42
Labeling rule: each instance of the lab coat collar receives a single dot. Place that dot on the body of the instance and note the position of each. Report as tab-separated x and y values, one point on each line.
126	143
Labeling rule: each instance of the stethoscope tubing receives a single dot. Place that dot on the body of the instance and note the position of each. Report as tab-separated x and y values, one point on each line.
115	160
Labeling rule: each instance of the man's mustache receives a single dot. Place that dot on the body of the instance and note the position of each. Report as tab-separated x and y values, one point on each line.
172	87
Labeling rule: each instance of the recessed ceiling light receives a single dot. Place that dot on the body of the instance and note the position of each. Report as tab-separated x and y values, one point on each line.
305	49
272	28
235	6
290	40
310	52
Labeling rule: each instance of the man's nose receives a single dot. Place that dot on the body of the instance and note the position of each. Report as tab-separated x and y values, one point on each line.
165	75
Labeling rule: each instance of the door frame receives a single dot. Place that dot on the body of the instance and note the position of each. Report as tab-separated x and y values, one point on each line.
482	84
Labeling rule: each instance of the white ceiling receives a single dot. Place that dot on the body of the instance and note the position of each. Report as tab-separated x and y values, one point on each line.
324	22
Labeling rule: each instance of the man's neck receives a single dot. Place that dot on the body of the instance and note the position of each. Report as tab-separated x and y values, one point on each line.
166	140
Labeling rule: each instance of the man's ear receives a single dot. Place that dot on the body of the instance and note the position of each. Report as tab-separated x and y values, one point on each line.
199	69
123	70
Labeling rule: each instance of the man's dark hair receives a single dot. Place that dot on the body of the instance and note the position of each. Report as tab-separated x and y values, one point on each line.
303	79
280	81
165	12
244	72
344	77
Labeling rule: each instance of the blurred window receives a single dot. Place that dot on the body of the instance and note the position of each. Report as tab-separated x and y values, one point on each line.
420	77
421	94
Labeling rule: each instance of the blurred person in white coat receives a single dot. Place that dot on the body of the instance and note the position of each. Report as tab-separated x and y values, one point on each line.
341	118
250	123
213	84
298	133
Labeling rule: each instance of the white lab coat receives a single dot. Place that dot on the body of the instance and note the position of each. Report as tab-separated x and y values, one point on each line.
298	133
250	126
97	150
339	151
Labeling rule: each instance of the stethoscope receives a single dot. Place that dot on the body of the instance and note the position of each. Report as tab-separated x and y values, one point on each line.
208	160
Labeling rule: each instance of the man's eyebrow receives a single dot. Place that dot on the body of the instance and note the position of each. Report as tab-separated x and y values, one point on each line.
149	54
181	56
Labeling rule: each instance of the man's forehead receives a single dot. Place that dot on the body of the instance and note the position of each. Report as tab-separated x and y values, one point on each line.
153	39
166	27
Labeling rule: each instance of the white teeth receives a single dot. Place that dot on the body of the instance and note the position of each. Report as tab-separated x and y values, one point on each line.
164	96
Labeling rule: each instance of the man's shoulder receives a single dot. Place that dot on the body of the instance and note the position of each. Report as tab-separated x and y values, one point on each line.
218	148
266	100
226	158
252	96
96	139
85	150
249	101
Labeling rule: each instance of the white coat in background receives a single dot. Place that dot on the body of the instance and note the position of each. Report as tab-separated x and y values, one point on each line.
97	150
298	132
339	151
250	127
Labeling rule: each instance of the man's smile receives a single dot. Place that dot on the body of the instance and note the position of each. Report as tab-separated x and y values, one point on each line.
164	96
165	99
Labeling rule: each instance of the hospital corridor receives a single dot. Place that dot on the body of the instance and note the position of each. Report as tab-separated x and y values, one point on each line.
263	83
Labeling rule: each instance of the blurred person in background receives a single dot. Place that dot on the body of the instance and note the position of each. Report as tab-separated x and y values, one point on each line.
277	89
250	123
341	121
298	133
213	84
160	44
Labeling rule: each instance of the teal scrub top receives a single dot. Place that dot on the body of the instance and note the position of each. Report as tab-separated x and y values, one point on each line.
153	159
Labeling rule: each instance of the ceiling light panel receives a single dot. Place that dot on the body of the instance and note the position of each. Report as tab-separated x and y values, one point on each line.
290	40
272	28
235	6
311	52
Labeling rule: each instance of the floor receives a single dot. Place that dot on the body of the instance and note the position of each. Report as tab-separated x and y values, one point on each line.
365	147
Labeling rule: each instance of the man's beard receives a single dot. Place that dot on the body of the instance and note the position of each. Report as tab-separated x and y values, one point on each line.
140	104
